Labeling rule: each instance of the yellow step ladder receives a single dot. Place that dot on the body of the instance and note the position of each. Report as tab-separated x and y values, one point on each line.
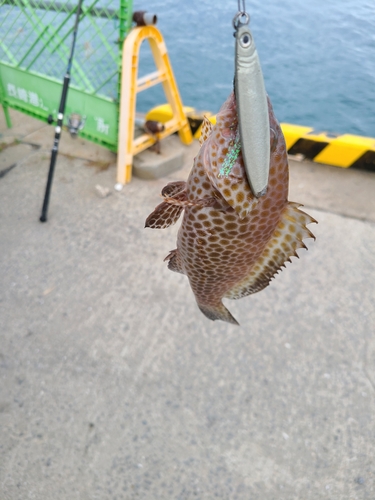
130	86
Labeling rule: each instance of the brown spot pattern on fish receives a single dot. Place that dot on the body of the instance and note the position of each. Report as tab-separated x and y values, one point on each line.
230	244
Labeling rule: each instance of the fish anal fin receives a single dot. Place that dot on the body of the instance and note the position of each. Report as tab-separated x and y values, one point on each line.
205	129
173	188
174	263
164	215
218	311
283	244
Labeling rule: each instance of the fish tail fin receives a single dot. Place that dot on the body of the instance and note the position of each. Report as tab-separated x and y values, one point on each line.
218	311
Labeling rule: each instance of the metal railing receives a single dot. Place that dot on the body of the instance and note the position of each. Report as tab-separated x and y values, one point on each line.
34	49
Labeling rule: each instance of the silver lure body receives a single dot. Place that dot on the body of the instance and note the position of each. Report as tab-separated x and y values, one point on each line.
252	112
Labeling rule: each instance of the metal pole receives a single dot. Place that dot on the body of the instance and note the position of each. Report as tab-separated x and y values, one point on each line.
60	117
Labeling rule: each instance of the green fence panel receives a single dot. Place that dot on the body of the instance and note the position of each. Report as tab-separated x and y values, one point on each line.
35	44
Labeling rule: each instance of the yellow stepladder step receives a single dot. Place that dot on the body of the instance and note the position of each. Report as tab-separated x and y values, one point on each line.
128	146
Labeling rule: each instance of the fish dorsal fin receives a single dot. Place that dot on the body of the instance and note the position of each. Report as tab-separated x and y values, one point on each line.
205	130
173	188
174	263
164	215
284	242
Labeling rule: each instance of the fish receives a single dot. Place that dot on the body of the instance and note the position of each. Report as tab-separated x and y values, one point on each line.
231	243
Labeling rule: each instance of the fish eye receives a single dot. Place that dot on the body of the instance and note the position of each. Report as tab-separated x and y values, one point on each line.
245	40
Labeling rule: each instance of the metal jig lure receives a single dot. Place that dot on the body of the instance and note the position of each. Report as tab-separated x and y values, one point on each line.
252	107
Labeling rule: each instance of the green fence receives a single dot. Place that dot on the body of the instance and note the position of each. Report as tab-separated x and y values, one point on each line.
35	42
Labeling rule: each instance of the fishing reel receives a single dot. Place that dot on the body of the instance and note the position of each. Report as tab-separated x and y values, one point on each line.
75	123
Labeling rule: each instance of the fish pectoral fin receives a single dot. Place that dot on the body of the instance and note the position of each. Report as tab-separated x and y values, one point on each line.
205	130
218	311
168	212
283	244
164	215
174	262
173	188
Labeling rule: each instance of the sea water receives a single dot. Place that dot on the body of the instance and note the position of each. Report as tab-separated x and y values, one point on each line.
317	56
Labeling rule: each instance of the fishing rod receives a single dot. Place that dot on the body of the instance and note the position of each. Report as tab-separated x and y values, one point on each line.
60	118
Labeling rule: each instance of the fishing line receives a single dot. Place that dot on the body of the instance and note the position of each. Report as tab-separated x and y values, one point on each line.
243	10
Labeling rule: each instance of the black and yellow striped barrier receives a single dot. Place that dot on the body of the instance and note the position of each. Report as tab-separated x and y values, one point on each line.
343	150
331	149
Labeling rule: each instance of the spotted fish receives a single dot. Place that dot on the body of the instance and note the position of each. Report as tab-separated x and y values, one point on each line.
230	243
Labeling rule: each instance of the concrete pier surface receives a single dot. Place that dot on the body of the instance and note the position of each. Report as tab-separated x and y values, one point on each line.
115	386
